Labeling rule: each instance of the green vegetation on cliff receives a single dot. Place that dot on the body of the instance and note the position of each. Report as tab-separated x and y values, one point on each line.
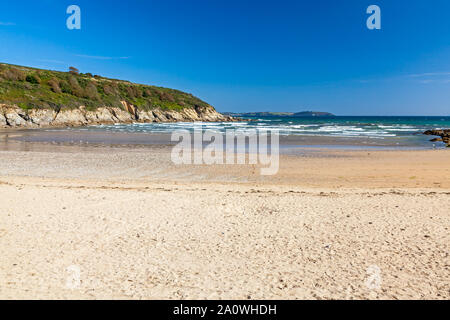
31	88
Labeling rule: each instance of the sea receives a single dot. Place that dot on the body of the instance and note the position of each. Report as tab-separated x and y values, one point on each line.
381	131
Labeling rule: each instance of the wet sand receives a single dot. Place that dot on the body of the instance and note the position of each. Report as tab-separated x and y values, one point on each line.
288	143
333	224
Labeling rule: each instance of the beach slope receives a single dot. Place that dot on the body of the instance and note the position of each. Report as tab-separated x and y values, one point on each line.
101	225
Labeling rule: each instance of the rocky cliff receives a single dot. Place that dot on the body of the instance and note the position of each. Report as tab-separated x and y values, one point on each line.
13	116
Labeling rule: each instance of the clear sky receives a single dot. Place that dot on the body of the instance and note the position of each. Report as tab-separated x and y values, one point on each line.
248	55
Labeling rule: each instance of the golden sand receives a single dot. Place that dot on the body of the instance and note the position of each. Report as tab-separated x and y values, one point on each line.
124	223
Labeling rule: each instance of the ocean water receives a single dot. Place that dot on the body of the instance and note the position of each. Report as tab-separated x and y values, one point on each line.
389	131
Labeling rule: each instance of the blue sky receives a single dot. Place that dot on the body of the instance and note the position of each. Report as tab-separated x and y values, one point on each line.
248	55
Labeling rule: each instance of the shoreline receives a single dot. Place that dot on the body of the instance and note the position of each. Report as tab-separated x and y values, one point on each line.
306	167
290	144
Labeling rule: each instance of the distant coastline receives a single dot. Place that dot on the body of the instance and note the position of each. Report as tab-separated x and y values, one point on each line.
280	114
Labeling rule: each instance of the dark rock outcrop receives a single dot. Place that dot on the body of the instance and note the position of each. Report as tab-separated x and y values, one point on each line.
443	133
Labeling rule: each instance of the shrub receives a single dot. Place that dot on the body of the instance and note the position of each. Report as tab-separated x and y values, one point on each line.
34	79
146	93
167	96
133	92
90	92
109	90
65	87
25	106
54	85
14	74
83	82
75	87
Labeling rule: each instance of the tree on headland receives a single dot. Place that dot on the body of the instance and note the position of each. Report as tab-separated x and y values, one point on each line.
74	70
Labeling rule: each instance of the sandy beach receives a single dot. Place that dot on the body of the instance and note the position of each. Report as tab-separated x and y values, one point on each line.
123	222
225	150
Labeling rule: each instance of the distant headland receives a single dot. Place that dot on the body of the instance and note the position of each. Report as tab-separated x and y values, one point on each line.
281	114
